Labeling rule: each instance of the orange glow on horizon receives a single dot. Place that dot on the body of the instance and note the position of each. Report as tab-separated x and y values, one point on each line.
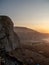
43	31
36	28
40	29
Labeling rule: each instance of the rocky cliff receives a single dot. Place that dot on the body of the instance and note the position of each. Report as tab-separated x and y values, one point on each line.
9	41
8	38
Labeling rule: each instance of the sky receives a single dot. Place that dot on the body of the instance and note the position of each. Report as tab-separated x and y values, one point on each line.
32	14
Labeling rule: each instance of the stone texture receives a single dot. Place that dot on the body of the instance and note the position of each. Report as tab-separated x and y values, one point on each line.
8	38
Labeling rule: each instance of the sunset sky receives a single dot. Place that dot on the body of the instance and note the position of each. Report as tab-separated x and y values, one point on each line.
33	14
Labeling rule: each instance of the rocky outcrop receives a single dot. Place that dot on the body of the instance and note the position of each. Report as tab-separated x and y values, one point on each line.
8	38
9	41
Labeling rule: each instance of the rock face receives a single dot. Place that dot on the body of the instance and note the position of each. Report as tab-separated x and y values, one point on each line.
8	39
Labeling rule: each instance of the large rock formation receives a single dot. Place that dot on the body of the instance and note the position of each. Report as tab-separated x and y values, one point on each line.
9	41
8	38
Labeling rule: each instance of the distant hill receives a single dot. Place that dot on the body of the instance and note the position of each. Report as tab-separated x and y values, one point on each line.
26	34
